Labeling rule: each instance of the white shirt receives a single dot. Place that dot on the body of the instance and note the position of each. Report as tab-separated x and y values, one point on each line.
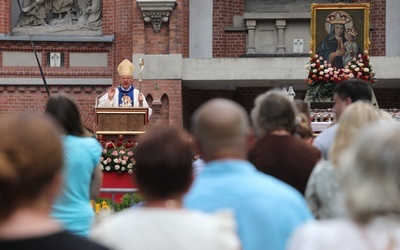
167	229
381	233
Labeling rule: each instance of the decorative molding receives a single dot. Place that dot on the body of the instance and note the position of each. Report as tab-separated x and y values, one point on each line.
156	12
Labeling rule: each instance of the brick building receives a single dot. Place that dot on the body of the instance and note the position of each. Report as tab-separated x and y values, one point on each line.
193	51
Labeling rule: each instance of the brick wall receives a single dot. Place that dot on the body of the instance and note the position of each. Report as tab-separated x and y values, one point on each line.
32	99
378	26
185	28
227	43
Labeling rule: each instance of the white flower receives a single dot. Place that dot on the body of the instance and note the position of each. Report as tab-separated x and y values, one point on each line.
102	167
346	71
360	64
130	165
353	66
312	65
320	58
130	171
123	169
108	168
326	71
123	162
351	75
322	66
357	69
318	61
370	64
321	73
115	160
117	167
105	162
314	71
366	69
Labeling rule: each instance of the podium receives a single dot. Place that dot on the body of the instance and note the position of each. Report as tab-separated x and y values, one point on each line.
121	121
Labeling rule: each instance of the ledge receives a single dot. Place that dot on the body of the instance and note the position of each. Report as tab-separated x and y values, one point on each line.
277	15
233	29
275	55
49	38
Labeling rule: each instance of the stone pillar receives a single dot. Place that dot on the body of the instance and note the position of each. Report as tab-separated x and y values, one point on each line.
251	26
281	25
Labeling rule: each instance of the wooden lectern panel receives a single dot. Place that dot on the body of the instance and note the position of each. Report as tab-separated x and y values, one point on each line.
124	121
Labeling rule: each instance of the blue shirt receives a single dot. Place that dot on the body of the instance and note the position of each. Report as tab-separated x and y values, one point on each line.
325	139
72	207
266	209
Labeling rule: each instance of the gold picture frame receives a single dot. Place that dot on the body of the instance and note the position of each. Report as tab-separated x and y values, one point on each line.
326	22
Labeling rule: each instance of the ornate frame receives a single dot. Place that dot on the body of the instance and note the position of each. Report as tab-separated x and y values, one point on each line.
359	13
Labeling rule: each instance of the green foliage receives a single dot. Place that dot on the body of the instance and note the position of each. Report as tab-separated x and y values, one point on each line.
128	200
319	91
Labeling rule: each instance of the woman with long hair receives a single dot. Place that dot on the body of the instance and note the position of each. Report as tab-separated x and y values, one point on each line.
82	174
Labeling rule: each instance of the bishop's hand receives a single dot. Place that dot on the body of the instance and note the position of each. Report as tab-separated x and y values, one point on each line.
111	92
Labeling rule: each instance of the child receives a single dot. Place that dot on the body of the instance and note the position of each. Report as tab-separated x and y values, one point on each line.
350	46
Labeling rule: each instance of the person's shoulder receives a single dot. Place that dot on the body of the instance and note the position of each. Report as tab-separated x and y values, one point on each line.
66	240
322	231
328	132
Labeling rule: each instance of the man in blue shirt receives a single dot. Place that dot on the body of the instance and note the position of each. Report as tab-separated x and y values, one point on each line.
266	209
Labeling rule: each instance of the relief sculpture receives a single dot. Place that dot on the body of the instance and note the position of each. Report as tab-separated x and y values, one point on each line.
60	16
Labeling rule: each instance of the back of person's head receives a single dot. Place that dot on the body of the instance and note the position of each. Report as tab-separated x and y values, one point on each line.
64	110
355	89
164	163
273	111
220	125
355	116
30	157
303	128
371	177
303	108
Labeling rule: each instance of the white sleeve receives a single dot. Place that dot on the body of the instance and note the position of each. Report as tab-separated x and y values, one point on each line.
105	102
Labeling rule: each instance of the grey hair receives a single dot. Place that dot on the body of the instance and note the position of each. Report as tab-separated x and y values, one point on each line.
272	111
371	172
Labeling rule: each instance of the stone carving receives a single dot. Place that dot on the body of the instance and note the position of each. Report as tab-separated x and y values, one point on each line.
156	18
156	12
60	16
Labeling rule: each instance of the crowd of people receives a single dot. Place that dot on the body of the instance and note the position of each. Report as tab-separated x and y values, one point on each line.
264	183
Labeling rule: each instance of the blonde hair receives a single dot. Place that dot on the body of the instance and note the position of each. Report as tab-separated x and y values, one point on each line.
303	127
354	117
371	173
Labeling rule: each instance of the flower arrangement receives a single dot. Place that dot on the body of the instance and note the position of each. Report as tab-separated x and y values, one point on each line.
117	156
107	205
100	205
322	77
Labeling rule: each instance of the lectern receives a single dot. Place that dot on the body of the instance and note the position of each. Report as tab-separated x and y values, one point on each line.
121	121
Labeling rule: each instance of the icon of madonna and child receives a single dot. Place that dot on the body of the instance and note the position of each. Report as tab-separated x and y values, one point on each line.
339	47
